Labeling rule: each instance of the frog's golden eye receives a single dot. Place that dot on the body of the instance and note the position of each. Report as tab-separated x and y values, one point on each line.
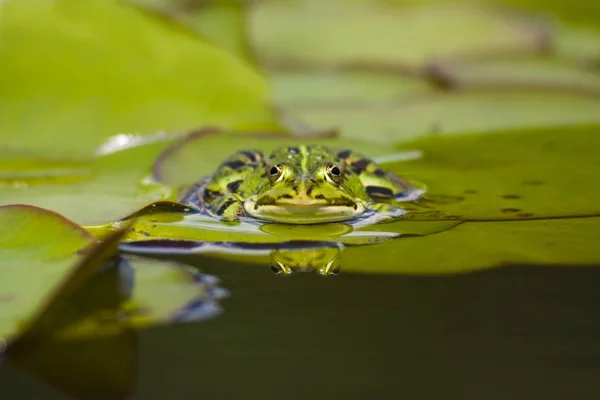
333	174
275	173
275	169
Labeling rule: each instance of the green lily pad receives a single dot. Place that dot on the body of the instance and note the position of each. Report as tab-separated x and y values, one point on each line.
541	73
30	267
474	246
41	279
391	72
109	68
336	32
453	113
203	229
515	175
335	89
221	21
462	247
106	189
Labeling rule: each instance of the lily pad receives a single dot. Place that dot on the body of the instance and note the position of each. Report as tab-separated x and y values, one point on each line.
390	71
474	246
109	68
452	113
108	188
336	32
41	278
202	229
221	21
459	248
542	73
30	267
515	175
335	89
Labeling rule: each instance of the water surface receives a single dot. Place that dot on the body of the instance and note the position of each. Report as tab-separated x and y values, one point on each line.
518	332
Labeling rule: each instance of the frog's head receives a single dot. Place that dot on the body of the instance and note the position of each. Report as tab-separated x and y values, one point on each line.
322	193
325	261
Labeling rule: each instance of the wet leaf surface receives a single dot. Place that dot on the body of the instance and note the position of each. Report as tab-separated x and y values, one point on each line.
518	175
477	245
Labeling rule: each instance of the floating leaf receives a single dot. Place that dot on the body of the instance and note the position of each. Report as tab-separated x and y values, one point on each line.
473	68
515	175
109	187
336	32
453	113
541	73
221	21
337	89
458	248
109	68
479	245
37	248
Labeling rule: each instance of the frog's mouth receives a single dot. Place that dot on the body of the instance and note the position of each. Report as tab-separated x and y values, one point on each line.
306	212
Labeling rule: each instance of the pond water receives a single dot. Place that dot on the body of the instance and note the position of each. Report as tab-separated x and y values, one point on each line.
517	332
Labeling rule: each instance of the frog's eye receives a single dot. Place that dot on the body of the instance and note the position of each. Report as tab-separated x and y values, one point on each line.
333	174
275	173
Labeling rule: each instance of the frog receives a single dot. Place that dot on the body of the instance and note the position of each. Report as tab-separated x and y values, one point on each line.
300	184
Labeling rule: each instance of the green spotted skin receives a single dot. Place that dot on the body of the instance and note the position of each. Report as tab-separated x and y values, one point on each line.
298	184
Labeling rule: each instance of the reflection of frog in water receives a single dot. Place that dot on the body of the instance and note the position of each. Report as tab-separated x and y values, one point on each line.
323	260
300	185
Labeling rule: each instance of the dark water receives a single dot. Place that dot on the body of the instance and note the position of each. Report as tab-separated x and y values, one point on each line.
509	333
